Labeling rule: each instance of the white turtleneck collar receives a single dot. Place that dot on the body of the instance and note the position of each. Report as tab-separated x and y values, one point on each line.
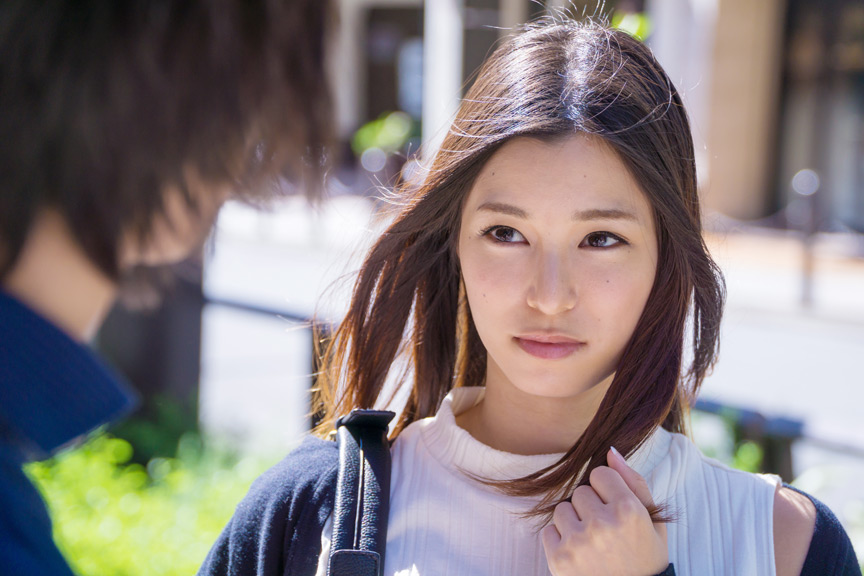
455	448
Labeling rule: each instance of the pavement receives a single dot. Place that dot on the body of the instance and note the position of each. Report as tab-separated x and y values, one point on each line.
780	354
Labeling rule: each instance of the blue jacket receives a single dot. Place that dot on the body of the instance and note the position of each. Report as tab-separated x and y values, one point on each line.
53	390
276	529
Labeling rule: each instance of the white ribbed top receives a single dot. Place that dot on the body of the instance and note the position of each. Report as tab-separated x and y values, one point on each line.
442	522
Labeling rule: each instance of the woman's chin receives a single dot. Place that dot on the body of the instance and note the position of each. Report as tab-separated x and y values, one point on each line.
558	387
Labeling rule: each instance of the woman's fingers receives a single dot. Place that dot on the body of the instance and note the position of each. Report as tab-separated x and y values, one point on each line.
631	481
618	482
606	529
587	503
550	537
565	518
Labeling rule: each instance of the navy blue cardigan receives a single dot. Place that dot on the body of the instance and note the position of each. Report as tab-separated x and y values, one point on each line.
276	529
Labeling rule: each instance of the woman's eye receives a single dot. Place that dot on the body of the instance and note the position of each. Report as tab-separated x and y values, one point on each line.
504	234
602	240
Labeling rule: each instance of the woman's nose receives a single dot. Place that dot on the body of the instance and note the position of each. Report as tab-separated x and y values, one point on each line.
552	290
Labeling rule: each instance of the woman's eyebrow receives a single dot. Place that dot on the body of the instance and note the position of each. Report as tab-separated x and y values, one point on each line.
590	214
604	214
503	208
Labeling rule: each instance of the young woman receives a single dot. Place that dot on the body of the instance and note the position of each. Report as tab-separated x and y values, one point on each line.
542	280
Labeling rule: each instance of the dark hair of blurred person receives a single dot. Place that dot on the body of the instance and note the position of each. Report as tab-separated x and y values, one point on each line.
107	104
124	126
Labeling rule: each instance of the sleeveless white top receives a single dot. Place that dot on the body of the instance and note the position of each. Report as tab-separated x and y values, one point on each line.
442	522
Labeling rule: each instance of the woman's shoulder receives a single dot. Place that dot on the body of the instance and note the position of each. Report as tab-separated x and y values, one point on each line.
794	522
690	461
307	474
799	517
311	464
808	538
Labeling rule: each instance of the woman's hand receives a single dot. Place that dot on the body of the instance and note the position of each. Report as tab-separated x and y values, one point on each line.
607	529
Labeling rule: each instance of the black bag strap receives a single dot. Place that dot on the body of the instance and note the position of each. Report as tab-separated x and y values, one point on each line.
362	494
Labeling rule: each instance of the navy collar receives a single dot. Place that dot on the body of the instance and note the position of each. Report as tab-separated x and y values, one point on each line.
52	389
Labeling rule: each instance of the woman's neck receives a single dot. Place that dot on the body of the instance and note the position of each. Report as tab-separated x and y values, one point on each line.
54	277
511	420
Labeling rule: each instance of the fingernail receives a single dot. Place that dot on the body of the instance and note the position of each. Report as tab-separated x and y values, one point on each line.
617	454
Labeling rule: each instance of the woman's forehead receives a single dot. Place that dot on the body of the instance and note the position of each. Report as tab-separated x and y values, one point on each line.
576	173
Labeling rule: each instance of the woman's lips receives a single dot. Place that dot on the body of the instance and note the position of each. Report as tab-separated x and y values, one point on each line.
549	348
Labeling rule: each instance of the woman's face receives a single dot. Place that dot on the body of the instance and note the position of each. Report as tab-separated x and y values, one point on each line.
558	254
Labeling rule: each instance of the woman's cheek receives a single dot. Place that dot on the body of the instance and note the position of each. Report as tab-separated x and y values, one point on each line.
495	278
622	293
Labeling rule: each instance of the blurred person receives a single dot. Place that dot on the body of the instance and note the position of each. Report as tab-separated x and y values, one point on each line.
545	273
124	127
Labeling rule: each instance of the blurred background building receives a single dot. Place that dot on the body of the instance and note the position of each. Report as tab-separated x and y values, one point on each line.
775	90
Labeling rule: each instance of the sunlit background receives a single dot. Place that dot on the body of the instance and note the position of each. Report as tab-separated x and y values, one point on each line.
775	92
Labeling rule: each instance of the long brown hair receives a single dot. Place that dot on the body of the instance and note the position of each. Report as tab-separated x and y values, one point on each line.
552	80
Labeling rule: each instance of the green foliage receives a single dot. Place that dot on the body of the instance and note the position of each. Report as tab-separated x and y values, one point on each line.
748	457
156	430
117	518
637	24
390	132
717	437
